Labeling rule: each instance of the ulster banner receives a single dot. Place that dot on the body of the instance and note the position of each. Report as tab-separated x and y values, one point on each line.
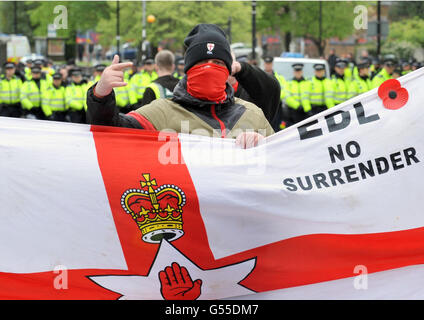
327	209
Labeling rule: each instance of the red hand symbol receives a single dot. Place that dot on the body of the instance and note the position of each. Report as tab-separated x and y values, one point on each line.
176	284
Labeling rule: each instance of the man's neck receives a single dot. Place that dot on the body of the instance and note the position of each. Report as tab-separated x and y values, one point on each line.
162	73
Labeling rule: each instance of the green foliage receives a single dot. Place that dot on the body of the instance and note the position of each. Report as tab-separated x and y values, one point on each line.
82	15
174	19
301	18
404	37
406	9
23	19
410	30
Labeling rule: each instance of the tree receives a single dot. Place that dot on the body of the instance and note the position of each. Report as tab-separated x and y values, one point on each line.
23	17
404	37
301	19
174	19
82	16
406	9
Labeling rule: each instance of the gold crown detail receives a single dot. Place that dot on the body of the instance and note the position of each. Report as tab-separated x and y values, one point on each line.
157	212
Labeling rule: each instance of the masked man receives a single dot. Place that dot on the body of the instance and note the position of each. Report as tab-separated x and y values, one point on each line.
203	97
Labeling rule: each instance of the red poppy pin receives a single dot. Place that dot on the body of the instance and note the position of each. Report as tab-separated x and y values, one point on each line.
392	94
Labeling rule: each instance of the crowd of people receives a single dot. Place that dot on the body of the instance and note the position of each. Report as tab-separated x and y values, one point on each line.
41	90
305	97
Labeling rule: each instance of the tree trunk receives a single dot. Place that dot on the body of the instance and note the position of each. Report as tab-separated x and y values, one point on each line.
287	40
319	45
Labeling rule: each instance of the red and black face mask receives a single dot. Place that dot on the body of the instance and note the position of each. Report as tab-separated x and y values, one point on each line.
207	82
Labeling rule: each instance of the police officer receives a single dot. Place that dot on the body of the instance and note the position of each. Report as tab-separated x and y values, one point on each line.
48	68
362	83
269	68
179	71
406	68
142	79
20	71
44	75
375	68
297	96
129	73
321	90
164	85
415	65
125	97
54	100
98	70
76	97
389	66
10	86
340	82
350	66
27	69
397	73
31	95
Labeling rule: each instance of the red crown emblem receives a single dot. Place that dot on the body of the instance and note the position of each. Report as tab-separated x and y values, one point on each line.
157	212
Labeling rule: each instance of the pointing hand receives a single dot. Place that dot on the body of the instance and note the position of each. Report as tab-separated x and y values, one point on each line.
112	77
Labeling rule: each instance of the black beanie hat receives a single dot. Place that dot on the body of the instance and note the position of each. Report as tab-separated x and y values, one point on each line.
206	41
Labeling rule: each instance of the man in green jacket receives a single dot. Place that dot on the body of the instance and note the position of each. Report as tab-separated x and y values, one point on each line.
321	93
54	100
362	82
340	82
269	68
10	87
142	79
31	95
179	70
203	102
76	97
297	96
389	66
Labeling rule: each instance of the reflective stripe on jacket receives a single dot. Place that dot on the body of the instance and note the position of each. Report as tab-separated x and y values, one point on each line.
321	92
10	90
76	96
297	95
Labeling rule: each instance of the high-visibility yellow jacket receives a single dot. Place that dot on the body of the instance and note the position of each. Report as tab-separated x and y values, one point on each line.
358	86
176	75
380	77
140	81
31	94
76	96
91	82
283	84
349	72
28	75
48	70
340	89
53	100
125	96
297	94
321	92
160	91
10	90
